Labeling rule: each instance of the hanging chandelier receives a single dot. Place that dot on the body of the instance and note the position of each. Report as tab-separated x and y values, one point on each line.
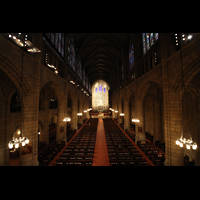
26	44
135	120
67	119
189	143
15	142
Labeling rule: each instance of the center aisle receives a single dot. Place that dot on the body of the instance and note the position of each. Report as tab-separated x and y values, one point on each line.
100	152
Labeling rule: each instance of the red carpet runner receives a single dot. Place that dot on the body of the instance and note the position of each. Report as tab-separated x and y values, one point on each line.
100	152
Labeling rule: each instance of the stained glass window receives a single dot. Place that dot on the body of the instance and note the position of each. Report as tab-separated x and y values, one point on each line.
84	77
57	41
96	89
147	36
151	39
100	88
63	45
52	38
148	40
156	36
131	56
144	43
79	69
71	53
104	90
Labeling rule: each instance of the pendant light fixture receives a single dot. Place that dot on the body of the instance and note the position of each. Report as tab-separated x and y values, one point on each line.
135	119
22	41
189	143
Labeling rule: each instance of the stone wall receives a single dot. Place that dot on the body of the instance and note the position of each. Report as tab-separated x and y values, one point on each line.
158	97
40	84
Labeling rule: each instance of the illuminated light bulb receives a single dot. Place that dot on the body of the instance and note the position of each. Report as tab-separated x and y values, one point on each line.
14	37
16	145
10	36
18	132
194	146
26	140
23	143
189	37
68	119
65	119
181	144
177	142
187	146
10	145
135	120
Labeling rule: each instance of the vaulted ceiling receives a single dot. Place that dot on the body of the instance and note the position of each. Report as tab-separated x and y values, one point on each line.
101	54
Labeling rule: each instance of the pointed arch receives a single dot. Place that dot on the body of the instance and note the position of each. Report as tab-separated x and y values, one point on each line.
53	87
10	68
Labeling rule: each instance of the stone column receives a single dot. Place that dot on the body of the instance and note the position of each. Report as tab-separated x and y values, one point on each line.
4	136
127	122
44	136
61	125
80	118
158	120
172	111
29	128
173	128
139	126
120	118
74	114
30	106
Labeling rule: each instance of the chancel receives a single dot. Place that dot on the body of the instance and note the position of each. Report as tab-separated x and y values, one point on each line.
99	99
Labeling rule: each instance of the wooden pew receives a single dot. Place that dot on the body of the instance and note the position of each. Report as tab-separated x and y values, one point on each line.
80	149
127	153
